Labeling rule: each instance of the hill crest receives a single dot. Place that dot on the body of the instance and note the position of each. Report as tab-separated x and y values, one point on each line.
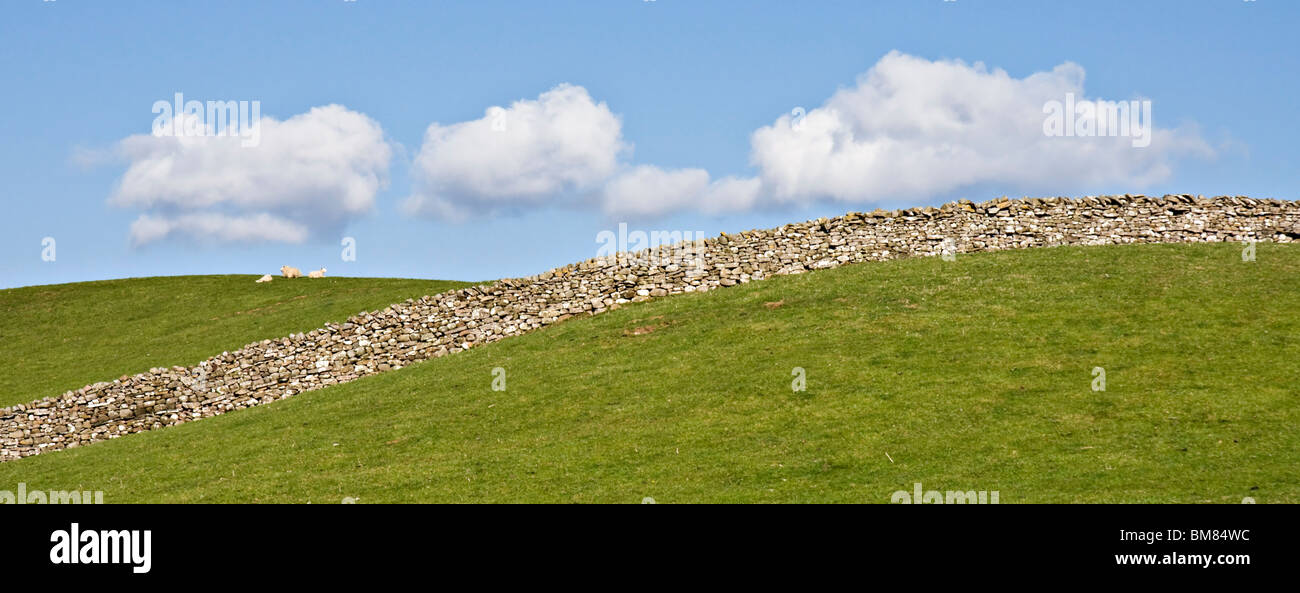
433	326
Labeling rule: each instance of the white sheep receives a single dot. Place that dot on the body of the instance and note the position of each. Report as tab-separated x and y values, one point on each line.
264	278
290	272
317	274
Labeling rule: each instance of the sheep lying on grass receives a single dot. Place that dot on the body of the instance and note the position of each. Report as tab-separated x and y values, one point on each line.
264	278
317	274
290	272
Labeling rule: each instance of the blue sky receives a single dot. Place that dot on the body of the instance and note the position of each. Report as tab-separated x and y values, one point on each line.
687	85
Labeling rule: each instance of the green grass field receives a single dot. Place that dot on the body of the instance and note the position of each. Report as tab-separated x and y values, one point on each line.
966	375
60	337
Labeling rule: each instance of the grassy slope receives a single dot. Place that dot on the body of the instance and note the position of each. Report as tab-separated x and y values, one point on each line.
60	337
971	375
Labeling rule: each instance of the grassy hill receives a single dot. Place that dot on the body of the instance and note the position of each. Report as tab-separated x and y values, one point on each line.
966	375
60	337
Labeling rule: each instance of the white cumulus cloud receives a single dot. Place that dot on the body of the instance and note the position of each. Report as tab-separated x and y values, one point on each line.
307	175
556	148
914	128
909	129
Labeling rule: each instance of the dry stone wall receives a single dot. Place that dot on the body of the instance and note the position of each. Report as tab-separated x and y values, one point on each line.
433	326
